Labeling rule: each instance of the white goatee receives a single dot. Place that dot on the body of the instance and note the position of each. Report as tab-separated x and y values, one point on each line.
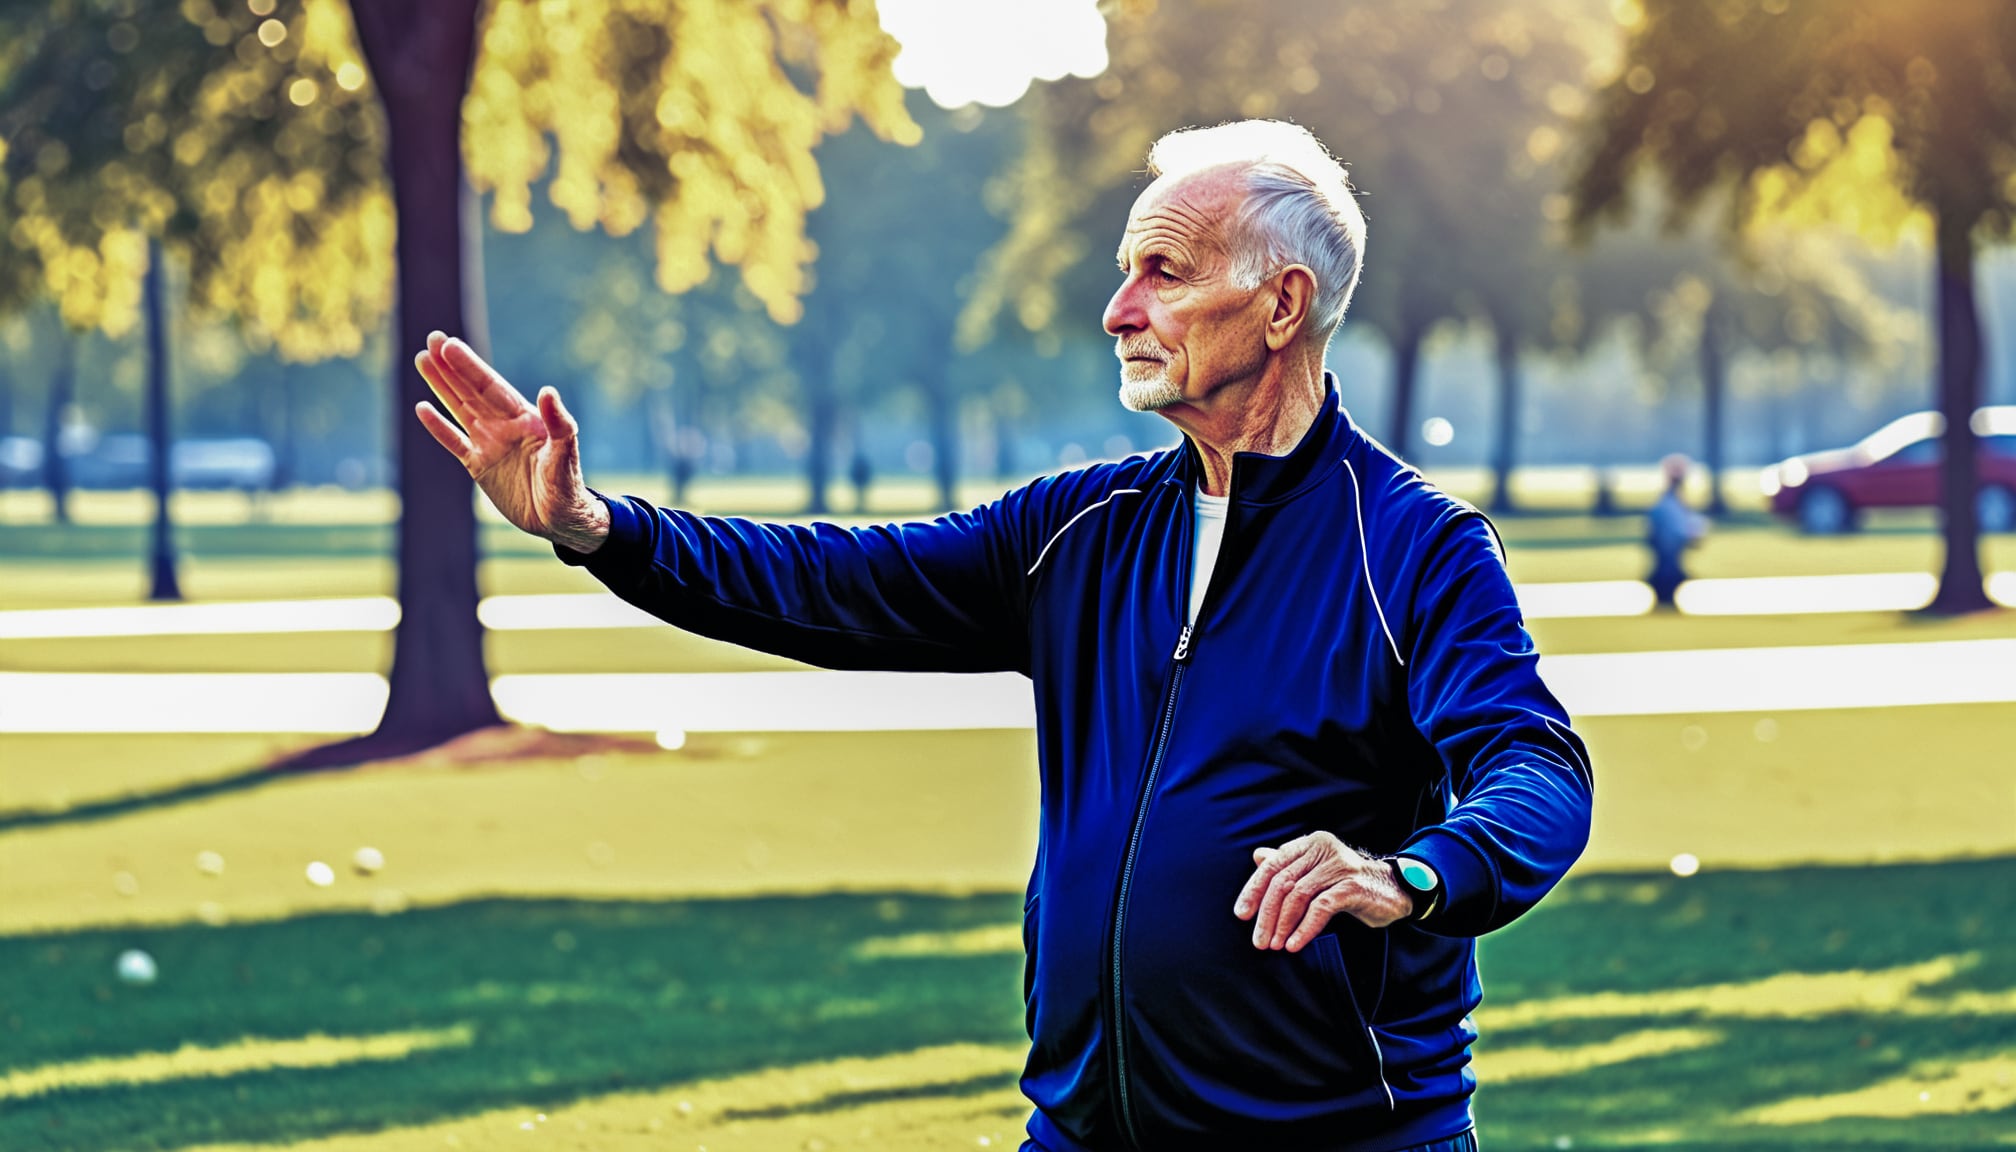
1144	393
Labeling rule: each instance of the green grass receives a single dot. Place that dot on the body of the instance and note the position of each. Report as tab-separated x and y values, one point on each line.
1660	933
567	999
646	986
245	566
572	1000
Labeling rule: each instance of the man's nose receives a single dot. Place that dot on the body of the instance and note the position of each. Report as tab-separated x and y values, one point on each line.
1123	312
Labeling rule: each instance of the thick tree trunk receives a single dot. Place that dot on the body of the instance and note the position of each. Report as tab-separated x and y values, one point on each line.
1506	449
420	57
62	390
1406	375
1960	357
161	583
1714	392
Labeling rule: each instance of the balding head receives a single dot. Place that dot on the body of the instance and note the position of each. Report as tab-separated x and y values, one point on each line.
1290	202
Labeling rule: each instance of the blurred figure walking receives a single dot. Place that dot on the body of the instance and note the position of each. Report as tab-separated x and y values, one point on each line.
1671	529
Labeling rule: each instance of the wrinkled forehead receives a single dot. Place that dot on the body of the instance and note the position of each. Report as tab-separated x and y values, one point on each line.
1190	209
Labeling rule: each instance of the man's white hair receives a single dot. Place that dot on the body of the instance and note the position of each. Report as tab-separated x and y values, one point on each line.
1299	208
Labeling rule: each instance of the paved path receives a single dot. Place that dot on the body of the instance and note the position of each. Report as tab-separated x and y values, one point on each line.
1743	596
1602	684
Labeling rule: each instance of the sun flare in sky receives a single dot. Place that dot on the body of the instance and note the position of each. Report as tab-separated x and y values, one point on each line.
989	51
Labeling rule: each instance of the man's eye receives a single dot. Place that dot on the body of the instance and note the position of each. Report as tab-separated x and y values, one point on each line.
1166	276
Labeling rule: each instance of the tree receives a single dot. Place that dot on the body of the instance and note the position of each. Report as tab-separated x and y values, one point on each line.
711	355
62	393
1693	305
161	581
1874	115
1443	110
118	155
270	123
898	237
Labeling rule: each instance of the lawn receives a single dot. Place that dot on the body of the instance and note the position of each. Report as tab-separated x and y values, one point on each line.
795	941
1797	1008
798	811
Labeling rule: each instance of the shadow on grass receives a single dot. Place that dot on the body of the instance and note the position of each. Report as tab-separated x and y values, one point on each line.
841	1101
565	1000
106	809
1648	933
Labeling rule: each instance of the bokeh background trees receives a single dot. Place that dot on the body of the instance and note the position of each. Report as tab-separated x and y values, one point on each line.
846	260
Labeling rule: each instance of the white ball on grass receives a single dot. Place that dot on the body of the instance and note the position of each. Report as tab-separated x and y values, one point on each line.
367	860
320	874
136	967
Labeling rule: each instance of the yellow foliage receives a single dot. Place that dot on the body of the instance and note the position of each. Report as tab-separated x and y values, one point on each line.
699	116
266	179
1855	180
684	115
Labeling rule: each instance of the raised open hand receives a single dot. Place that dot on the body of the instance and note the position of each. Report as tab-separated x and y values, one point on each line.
526	459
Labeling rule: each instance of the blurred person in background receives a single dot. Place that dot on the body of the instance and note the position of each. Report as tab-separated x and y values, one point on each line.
1672	528
1296	755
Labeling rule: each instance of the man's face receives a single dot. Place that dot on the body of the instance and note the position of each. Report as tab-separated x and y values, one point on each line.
1182	329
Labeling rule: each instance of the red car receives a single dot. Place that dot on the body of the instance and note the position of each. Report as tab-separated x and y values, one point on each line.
1897	466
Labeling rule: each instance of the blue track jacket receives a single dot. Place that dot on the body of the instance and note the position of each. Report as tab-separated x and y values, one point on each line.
1359	665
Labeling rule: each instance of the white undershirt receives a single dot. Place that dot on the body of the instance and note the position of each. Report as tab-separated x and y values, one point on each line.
1210	529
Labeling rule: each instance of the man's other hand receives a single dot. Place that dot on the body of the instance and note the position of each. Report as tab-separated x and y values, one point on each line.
1298	887
526	459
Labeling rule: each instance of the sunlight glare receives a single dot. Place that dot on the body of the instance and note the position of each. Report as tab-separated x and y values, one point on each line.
989	51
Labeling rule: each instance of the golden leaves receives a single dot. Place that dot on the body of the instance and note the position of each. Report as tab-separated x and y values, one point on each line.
700	117
313	293
265	151
1855	180
239	145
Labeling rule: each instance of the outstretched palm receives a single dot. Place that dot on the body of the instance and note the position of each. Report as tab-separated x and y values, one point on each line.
526	458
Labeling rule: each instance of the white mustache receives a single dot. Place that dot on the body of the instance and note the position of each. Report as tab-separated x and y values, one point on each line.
1148	352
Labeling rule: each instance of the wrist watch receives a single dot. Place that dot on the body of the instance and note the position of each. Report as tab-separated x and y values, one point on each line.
1419	881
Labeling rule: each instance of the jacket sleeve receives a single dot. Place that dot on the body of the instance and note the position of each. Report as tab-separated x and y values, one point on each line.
940	595
1519	776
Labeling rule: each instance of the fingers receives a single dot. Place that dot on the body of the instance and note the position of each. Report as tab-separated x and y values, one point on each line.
562	456
449	436
1296	890
488	391
1313	921
1297	899
560	423
1288	865
444	386
1249	896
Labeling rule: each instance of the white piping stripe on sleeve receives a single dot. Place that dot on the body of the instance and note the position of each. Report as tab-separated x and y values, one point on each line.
1365	550
1067	525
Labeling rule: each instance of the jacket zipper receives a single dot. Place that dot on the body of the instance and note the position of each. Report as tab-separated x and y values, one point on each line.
1127	879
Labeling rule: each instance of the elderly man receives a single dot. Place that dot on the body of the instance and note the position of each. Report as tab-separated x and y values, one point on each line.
1295	752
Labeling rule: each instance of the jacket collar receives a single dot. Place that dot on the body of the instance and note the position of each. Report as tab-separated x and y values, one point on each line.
1258	478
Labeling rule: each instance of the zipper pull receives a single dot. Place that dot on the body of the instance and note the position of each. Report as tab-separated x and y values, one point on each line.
1183	645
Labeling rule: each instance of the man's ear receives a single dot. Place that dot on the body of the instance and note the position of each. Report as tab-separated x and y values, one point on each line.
1294	300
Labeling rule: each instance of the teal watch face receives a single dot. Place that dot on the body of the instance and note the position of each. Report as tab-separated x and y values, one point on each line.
1419	876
